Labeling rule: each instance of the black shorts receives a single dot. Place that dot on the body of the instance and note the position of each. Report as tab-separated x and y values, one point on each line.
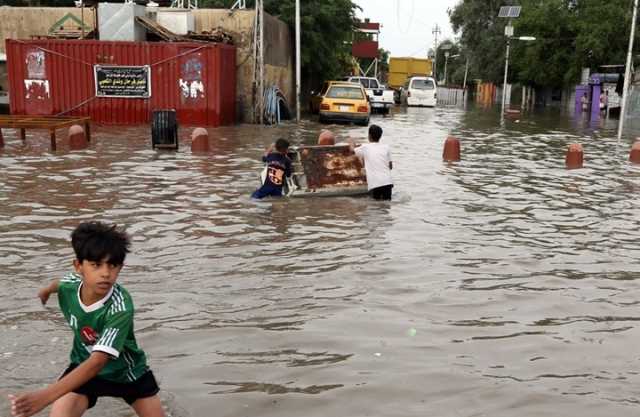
143	387
382	193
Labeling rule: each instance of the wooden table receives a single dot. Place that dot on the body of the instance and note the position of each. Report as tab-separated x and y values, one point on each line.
44	122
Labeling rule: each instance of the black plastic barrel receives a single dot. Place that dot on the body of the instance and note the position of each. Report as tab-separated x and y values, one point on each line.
164	129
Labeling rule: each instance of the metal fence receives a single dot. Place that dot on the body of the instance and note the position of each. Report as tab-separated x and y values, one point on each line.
451	96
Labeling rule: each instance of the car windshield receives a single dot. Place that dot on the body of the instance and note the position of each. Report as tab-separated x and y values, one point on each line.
342	91
423	85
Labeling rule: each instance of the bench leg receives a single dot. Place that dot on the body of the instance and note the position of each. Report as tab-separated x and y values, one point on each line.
87	131
23	135
53	139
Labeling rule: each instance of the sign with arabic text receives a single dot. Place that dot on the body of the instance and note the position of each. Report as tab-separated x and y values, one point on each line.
122	82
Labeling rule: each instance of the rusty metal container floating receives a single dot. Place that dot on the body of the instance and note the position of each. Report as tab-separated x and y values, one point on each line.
326	171
123	82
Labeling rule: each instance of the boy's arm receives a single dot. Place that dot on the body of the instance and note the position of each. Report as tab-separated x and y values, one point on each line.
352	145
267	152
30	403
45	293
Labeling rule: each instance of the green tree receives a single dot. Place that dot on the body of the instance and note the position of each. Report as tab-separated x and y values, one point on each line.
481	31
452	63
570	35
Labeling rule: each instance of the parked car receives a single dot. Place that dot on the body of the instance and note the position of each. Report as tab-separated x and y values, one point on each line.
345	102
380	97
420	91
316	97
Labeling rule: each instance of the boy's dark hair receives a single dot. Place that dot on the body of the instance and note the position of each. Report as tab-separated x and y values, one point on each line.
96	241
282	145
375	133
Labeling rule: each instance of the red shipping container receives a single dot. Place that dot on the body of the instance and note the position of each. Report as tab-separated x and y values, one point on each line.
58	77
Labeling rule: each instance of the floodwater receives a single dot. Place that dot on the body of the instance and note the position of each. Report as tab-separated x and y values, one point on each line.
503	285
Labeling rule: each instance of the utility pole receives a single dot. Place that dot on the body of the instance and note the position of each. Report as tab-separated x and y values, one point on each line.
298	50
436	31
258	56
627	72
504	83
466	71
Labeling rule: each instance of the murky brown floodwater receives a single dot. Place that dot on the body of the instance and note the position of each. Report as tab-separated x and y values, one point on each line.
520	278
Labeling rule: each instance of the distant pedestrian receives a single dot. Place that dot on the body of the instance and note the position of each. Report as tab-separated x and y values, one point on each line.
584	100
604	101
376	157
278	169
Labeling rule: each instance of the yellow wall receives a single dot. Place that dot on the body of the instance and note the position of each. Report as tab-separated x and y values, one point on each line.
279	54
26	22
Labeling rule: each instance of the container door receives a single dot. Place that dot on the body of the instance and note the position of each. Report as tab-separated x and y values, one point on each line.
192	87
37	88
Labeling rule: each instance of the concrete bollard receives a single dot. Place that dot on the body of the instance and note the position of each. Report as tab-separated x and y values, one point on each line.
326	138
200	140
634	155
1	140
575	156
77	138
451	152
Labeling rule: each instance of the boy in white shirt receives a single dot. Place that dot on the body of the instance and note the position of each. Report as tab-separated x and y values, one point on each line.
376	157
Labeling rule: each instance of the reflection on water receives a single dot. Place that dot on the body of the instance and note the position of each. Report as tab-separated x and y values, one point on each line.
500	285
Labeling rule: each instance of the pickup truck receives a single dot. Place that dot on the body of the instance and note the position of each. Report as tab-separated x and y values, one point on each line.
380	97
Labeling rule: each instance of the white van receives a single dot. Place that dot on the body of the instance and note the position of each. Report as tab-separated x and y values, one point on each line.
420	91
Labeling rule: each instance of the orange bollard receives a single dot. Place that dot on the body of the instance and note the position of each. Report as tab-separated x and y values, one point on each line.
77	138
326	138
575	156
451	151
200	140
634	156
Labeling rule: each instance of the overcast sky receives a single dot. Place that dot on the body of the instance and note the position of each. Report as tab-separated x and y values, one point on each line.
407	24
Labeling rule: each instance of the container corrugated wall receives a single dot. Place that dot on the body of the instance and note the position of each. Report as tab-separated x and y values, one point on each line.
56	77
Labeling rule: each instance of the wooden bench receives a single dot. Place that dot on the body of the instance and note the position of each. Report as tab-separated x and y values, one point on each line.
50	123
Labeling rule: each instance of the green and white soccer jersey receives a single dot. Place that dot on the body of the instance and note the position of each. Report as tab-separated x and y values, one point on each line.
105	326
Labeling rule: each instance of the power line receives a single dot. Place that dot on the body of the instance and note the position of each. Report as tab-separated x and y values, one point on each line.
408	26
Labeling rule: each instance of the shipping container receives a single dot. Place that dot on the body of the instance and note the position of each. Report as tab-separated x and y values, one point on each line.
123	82
400	69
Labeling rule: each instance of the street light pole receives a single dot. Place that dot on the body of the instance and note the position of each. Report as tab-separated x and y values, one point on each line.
436	31
504	83
466	71
446	61
627	72
298	61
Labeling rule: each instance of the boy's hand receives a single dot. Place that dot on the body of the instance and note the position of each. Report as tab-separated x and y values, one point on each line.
28	404
44	294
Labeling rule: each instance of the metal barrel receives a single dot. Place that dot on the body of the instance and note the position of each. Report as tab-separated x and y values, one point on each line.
164	129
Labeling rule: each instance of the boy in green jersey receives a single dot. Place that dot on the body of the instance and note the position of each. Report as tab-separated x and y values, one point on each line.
105	358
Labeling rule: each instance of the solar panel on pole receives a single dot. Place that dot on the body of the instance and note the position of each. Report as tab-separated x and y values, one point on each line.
509	11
